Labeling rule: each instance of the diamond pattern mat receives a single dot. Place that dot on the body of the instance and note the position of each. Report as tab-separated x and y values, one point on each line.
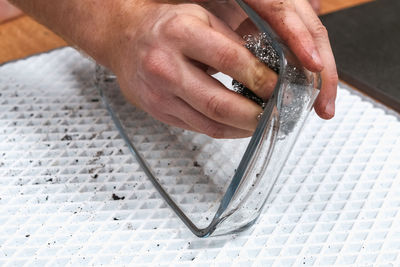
72	194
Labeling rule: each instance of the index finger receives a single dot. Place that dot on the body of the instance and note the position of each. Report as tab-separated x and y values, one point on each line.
325	104
282	16
215	49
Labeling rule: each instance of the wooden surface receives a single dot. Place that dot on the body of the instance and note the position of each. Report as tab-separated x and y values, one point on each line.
23	37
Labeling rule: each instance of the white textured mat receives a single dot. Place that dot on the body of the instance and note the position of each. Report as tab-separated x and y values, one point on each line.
71	192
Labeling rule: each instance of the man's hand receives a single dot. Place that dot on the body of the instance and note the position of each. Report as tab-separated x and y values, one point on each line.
299	27
316	5
163	71
161	53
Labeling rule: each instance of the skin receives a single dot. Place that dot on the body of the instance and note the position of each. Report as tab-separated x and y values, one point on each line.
162	52
7	11
316	5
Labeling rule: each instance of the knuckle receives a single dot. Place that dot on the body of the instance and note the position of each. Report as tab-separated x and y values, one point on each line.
154	100
173	26
226	57
333	78
155	63
214	131
178	27
279	6
320	31
217	107
260	79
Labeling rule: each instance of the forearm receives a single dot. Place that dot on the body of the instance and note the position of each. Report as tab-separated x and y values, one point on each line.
87	24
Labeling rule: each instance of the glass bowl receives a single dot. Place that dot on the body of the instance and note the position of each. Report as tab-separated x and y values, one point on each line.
215	186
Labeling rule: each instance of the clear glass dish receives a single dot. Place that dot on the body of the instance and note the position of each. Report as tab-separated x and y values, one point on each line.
218	186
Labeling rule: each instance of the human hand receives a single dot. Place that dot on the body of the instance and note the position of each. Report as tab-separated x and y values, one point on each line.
161	65
161	52
316	5
299	27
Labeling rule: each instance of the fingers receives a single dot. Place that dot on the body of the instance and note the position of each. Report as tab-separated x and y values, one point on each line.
210	108
174	121
196	121
325	104
216	48
212	99
298	25
282	16
316	5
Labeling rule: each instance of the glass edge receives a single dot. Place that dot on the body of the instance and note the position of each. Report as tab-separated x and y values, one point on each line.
250	152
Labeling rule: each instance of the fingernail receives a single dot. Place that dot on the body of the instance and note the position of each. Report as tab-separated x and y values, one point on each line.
330	108
317	59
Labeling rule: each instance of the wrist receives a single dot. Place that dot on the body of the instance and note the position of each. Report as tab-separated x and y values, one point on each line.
120	28
95	27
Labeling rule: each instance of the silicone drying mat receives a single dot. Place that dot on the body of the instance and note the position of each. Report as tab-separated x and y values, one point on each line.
72	193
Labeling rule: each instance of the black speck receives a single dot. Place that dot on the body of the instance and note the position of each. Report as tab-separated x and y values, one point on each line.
196	164
193	258
257	175
95	100
99	153
115	219
194	148
27	235
66	138
95	176
49	180
115	197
